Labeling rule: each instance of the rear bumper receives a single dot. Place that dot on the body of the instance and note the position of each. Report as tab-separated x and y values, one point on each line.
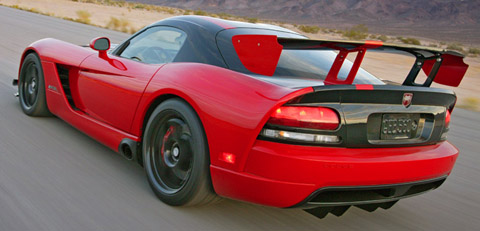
284	175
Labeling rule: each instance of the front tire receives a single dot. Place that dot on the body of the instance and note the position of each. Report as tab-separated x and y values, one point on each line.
31	87
175	155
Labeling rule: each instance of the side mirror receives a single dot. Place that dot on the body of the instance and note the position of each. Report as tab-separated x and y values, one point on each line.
101	44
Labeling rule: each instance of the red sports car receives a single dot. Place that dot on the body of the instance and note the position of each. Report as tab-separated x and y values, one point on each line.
253	112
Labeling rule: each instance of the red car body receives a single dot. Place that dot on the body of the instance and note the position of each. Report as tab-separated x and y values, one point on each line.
113	97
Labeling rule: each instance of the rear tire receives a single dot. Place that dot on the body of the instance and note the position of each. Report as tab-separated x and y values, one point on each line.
175	155
31	87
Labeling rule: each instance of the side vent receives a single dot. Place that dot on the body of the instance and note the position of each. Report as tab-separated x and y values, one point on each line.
63	74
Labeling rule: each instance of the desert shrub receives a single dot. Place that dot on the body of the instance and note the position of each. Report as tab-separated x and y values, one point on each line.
83	16
455	46
309	29
200	12
413	41
119	3
132	30
118	24
86	1
357	32
107	2
329	30
474	51
470	103
383	38
34	10
139	6
252	20
170	11
114	23
149	7
224	15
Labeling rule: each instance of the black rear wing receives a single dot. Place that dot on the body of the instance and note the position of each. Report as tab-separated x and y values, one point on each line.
260	54
441	66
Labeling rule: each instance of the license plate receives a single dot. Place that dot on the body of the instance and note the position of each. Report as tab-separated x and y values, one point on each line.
399	126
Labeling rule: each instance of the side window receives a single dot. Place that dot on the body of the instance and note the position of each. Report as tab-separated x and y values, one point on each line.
156	45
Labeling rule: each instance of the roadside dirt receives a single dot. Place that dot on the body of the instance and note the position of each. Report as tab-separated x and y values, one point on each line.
385	66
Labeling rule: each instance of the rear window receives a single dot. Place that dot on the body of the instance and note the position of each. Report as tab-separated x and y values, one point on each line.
300	64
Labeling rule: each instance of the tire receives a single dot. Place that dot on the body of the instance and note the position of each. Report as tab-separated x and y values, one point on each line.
175	156
31	87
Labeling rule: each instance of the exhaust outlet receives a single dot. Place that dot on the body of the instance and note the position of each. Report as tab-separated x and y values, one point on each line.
127	152
15	83
128	149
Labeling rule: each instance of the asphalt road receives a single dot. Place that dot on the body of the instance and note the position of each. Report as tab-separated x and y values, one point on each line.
53	177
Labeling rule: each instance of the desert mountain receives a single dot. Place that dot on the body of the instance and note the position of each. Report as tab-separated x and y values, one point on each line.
441	19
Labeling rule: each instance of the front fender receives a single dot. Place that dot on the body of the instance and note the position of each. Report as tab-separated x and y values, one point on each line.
57	51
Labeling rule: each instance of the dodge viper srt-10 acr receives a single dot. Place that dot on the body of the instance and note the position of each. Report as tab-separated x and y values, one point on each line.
253	112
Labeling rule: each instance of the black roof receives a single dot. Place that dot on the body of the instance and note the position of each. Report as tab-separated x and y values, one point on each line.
201	43
214	25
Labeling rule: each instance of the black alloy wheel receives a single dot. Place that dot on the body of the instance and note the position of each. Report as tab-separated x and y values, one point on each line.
31	87
176	156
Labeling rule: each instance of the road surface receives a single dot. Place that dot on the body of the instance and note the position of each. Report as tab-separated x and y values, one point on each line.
53	177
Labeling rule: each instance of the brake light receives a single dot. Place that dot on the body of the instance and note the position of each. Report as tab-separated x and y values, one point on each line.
305	117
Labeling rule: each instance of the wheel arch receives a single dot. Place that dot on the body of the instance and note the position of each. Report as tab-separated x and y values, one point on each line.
27	51
162	96
199	189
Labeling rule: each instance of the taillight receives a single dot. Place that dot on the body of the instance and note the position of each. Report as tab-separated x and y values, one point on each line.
448	113
447	119
305	117
286	122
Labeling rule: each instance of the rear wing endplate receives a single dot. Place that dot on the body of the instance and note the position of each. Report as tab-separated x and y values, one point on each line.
260	54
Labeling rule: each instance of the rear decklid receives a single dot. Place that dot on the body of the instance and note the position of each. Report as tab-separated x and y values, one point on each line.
380	115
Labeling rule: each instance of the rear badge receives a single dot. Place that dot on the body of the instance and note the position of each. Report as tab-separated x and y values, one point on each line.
407	99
